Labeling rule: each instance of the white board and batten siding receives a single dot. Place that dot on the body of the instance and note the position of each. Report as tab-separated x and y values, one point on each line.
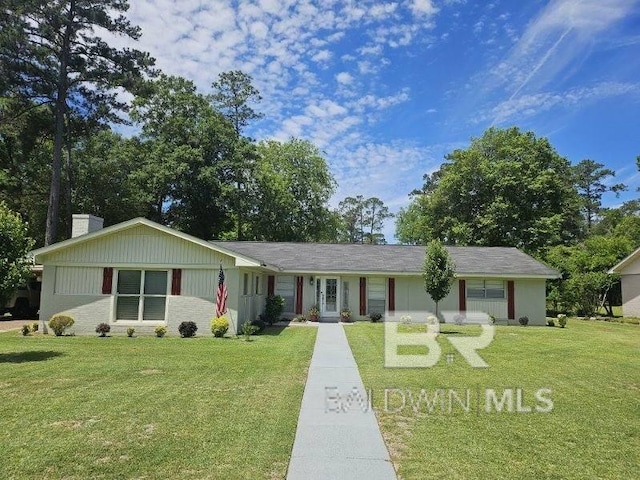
140	245
73	277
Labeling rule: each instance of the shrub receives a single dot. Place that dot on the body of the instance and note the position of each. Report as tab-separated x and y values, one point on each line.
219	326
103	329
25	330
247	330
130	331
550	322
59	323
524	321
274	306
33	327
187	329
259	323
375	316
299	319
562	320
160	331
492	319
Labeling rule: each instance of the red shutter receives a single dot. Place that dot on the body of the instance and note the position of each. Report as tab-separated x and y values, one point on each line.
392	294
511	304
176	281
271	285
299	283
363	296
107	280
462	296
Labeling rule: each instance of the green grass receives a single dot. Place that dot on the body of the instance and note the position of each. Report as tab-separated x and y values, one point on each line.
593	431
88	407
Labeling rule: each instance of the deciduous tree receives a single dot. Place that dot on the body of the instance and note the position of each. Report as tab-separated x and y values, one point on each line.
439	271
15	243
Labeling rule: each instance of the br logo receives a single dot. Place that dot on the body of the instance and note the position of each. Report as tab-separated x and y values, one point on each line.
467	346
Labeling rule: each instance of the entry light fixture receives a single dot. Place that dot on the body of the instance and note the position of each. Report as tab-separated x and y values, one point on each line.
311	280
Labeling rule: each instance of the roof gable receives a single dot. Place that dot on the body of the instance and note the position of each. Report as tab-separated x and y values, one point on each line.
627	263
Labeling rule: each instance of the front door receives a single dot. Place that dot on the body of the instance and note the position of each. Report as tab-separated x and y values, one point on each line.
328	295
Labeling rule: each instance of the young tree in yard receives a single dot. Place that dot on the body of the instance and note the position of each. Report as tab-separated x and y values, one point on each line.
438	273
51	54
14	246
589	180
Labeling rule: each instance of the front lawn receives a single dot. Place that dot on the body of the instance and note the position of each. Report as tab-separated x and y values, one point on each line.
593	430
88	407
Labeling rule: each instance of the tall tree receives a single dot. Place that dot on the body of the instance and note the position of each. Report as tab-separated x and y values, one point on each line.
50	54
292	187
375	214
234	95
439	271
362	220
589	180
14	246
508	188
185	147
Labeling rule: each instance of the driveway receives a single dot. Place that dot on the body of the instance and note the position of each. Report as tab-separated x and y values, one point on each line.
7	323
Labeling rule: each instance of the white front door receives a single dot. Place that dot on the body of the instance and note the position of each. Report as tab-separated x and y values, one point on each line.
328	296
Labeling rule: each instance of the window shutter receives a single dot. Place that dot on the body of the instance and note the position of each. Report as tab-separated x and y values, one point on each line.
107	280
299	283
511	304
363	295
176	281
392	294
271	284
462	296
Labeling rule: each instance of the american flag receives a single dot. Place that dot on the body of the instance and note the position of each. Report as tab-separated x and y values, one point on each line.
221	295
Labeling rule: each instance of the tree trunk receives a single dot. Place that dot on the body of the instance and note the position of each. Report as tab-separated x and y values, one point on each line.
53	210
69	183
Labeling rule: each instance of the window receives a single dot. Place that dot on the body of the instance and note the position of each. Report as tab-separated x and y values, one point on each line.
376	295
345	294
245	284
141	295
258	289
486	289
285	288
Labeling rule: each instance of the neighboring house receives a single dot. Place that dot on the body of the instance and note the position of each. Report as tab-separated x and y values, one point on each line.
629	271
142	274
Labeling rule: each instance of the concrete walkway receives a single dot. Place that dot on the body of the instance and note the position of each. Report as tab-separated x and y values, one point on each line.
338	436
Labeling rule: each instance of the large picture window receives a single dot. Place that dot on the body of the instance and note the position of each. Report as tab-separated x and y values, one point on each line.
141	295
485	289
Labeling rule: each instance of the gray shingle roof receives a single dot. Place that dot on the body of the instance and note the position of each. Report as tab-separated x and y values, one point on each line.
353	258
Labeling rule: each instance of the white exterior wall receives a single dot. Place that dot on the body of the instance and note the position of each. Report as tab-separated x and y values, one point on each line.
631	295
530	300
72	281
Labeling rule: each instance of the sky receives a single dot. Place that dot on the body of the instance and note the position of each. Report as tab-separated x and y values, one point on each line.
386	89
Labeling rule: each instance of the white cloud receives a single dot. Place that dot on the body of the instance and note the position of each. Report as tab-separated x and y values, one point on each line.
344	78
423	7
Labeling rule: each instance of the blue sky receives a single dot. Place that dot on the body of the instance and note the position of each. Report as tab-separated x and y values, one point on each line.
386	89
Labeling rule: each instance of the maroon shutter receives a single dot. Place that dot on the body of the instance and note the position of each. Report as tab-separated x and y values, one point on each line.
299	283
271	284
363	295
107	280
392	294
176	281
511	304
462	296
